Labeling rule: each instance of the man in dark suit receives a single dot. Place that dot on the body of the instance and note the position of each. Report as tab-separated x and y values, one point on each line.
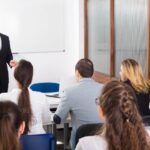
5	58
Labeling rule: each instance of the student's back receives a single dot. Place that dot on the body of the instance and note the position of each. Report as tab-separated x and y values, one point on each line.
33	105
39	106
123	126
97	142
80	99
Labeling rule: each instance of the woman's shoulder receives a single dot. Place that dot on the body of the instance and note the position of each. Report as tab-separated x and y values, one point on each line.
96	142
98	138
12	95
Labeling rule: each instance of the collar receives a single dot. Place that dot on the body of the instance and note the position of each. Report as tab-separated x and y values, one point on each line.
85	79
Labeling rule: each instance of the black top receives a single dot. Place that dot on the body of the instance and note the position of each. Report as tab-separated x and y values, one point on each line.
5	55
143	100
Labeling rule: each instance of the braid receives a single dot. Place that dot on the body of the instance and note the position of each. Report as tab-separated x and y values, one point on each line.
129	122
124	126
126	107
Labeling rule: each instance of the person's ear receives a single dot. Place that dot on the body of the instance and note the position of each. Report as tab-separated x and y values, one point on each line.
101	113
21	129
77	75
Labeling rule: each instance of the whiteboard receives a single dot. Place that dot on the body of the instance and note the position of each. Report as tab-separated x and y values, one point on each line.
33	25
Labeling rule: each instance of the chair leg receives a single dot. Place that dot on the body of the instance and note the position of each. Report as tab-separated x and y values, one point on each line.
66	128
54	129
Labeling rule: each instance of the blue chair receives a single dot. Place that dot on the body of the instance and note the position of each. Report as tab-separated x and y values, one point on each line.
45	87
38	142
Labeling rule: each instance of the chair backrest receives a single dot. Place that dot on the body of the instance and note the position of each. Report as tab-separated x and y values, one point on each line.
38	142
87	130
45	87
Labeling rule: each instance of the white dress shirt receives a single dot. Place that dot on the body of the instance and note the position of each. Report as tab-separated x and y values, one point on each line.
39	105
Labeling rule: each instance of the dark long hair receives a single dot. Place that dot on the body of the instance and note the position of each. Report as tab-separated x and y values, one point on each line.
124	126
10	121
23	74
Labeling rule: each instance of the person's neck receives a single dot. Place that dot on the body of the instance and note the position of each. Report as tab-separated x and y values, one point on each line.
79	78
19	86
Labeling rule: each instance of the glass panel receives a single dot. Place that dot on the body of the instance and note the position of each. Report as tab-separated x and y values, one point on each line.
131	29
98	34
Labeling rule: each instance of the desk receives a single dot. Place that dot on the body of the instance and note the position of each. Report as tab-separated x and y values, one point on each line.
53	104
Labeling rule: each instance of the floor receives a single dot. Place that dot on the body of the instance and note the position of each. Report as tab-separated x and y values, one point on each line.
60	140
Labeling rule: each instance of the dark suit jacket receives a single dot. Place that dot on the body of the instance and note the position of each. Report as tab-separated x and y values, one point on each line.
5	57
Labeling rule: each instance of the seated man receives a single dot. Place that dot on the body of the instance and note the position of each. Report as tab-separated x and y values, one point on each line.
79	100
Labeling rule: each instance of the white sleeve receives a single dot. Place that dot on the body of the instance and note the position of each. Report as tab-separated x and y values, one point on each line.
46	113
4	96
79	146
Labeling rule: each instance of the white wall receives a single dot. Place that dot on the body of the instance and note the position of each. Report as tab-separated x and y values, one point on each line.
55	66
35	25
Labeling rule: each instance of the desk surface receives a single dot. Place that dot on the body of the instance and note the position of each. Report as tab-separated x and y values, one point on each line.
52	101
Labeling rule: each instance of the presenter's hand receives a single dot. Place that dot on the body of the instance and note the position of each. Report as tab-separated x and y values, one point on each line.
13	63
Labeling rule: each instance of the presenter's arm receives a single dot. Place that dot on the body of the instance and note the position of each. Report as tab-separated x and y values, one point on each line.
13	63
9	58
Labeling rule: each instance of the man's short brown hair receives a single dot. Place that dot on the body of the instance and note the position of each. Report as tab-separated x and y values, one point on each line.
85	67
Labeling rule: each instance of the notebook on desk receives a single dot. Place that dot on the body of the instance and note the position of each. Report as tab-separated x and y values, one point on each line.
53	95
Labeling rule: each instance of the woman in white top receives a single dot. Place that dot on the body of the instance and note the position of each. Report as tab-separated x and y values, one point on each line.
32	104
123	129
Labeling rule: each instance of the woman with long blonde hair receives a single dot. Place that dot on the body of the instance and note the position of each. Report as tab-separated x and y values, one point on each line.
131	73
